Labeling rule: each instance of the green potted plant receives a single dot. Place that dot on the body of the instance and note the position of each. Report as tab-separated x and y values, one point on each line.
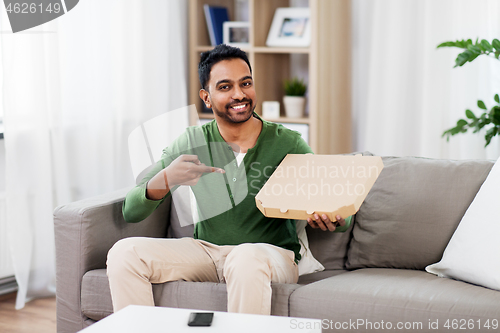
294	99
490	120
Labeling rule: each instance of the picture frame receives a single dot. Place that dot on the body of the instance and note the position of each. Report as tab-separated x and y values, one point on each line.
291	27
236	33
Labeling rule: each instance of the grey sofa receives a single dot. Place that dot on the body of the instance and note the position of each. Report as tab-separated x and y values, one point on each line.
374	271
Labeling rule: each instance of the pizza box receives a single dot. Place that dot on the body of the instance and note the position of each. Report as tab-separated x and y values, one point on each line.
304	184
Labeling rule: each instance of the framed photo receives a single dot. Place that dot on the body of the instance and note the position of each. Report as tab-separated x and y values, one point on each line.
290	27
236	33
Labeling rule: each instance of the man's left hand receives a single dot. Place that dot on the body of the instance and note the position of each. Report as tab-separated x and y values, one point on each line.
323	222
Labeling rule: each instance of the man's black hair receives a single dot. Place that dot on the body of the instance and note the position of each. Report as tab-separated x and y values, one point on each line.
218	53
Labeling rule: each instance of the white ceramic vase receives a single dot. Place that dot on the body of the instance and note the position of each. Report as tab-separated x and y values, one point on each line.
294	106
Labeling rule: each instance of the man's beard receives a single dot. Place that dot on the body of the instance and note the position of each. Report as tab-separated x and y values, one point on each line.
239	117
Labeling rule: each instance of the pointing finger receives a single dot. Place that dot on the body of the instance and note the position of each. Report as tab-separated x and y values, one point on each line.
207	169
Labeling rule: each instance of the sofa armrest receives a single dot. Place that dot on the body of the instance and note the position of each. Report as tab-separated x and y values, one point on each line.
84	232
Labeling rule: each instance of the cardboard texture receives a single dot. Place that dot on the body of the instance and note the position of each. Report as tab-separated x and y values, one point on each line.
324	184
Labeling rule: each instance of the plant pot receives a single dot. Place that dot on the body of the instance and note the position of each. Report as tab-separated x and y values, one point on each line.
294	106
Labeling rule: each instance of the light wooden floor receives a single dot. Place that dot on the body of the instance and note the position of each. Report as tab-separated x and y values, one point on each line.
38	316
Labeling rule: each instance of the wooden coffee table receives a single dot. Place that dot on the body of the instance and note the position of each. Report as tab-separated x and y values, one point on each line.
135	318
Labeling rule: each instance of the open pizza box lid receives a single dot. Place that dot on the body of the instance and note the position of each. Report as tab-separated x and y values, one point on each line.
323	184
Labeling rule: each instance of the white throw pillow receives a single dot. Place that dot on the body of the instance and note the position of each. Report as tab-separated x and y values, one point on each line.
307	264
473	253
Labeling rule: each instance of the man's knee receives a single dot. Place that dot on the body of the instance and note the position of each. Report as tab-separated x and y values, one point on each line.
122	252
246	252
247	258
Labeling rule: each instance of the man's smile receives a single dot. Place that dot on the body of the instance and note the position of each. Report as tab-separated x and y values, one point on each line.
239	107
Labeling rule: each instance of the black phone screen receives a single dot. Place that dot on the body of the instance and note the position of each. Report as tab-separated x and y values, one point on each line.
200	318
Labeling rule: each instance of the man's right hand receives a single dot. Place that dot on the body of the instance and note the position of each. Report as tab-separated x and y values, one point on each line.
184	170
187	170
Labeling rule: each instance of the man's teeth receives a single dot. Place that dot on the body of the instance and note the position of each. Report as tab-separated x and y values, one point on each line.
239	107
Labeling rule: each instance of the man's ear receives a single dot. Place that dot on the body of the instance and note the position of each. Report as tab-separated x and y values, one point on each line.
205	97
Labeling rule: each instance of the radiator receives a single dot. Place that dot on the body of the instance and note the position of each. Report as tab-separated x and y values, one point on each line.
7	281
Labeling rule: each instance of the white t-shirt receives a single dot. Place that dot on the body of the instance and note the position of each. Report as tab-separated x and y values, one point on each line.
239	157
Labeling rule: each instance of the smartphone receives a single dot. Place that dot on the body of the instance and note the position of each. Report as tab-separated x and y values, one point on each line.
200	318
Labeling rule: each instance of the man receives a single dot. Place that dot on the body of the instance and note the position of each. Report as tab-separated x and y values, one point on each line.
234	243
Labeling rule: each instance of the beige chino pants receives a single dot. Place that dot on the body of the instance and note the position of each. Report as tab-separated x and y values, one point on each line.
248	270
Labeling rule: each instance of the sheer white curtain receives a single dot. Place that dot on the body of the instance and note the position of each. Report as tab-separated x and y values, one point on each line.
73	89
405	91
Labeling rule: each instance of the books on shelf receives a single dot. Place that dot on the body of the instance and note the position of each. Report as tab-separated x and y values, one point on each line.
215	17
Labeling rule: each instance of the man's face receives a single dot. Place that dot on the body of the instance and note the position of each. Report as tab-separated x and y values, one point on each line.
231	93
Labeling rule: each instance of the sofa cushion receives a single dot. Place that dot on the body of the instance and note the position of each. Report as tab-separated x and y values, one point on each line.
393	295
313	277
412	211
329	248
96	297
